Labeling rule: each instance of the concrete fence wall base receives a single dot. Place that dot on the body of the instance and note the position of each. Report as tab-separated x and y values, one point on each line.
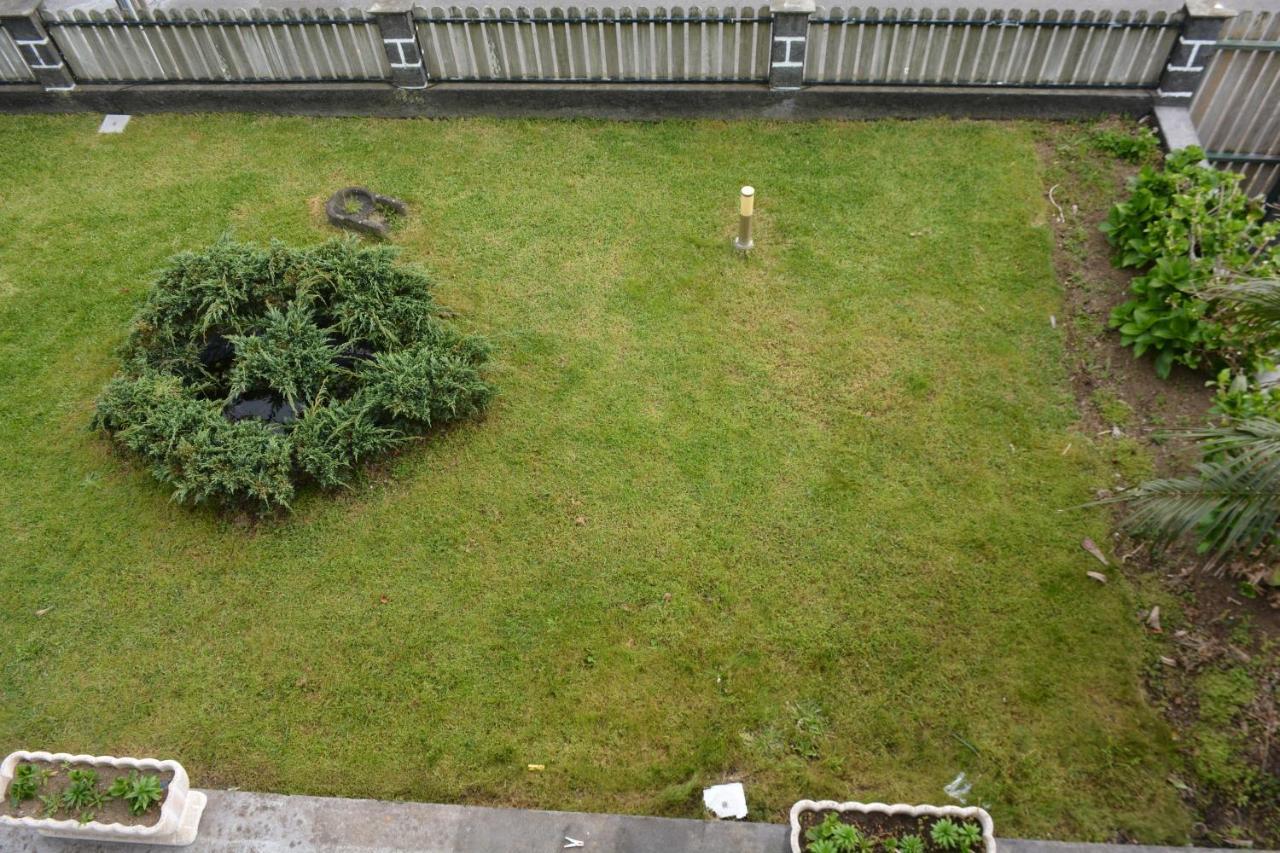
612	100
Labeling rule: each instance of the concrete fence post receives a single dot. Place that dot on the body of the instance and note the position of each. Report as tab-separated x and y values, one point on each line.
1196	44
21	20
790	37
400	42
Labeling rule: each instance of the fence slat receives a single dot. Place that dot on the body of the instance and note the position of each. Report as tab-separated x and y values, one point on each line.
1235	109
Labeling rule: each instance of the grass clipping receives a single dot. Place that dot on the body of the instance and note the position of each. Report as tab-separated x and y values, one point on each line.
251	372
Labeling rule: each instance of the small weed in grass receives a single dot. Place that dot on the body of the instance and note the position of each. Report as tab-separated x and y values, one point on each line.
1111	408
1131	462
1218	743
1138	145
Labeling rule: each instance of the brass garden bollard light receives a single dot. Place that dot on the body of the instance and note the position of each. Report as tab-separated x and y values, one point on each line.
746	209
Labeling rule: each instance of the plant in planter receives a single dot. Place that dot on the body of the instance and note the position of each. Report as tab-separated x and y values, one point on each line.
250	371
100	797
26	784
831	827
82	795
140	791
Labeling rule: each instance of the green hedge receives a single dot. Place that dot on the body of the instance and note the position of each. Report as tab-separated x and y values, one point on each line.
250	372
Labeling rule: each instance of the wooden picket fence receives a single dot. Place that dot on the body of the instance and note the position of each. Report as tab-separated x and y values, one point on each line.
1237	109
727	44
12	68
979	47
240	45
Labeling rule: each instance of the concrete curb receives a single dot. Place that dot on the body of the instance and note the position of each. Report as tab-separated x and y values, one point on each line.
241	822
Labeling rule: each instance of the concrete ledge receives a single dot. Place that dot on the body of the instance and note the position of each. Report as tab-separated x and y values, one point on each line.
1176	127
598	100
241	822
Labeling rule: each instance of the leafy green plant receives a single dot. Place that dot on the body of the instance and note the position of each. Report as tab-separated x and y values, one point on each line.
823	831
1231	503
140	791
82	792
50	804
1239	398
971	836
25	784
1189	227
1136	146
1251	309
835	836
910	844
849	839
954	835
250	371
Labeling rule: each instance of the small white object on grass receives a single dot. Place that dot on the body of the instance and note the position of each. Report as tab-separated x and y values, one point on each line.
958	789
726	800
113	124
1088	545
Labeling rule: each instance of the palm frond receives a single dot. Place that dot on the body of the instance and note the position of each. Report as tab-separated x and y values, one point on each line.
1257	300
1231	504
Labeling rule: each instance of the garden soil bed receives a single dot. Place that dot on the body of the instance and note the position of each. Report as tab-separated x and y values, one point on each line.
878	827
114	810
1222	621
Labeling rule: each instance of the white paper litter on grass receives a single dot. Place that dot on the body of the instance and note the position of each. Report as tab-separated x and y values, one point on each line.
958	789
726	800
113	124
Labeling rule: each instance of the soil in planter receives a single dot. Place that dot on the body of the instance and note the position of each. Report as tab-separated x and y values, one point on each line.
879	828
112	810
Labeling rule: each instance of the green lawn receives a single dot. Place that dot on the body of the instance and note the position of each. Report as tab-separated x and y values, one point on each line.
794	519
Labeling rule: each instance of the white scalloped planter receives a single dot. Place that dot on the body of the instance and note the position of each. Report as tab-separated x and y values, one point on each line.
967	812
179	813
